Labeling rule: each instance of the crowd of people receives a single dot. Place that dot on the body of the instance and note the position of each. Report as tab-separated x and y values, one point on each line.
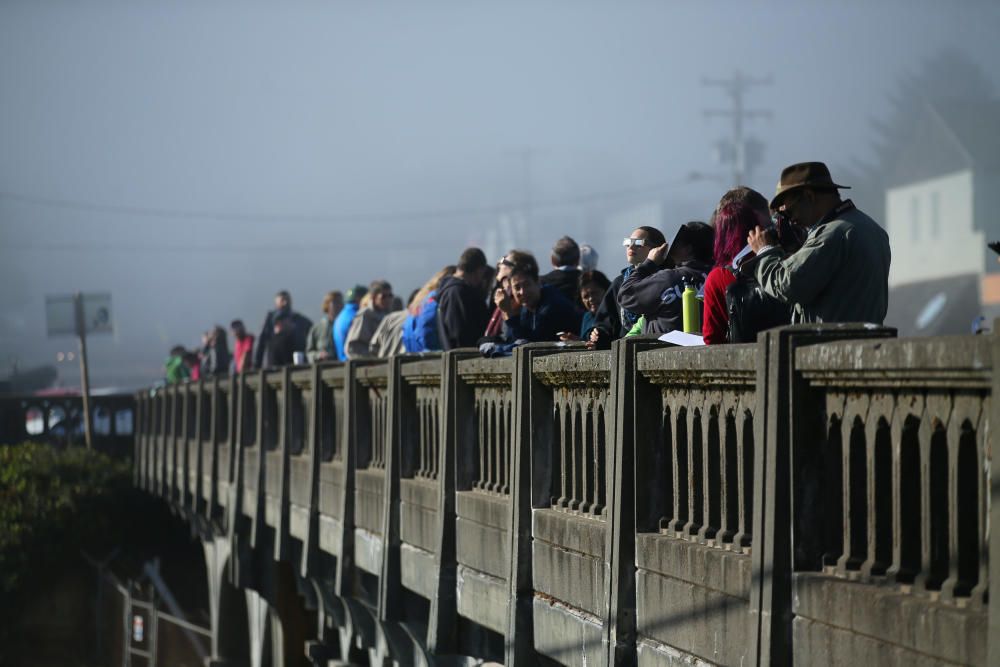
805	256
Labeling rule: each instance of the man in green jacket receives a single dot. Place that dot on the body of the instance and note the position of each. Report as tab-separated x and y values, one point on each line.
319	340
841	273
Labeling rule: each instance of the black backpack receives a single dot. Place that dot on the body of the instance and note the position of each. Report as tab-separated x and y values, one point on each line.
751	310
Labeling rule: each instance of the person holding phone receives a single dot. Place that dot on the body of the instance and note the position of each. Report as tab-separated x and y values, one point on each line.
535	312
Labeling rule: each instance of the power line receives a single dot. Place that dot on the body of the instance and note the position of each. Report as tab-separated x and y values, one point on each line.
389	216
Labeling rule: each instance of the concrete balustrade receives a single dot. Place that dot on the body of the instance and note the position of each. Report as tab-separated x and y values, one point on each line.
821	496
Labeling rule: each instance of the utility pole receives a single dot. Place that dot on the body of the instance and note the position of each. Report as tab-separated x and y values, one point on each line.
81	331
741	153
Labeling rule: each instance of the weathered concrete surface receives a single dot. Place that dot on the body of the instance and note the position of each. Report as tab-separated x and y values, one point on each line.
368	495
883	623
418	520
694	619
329	535
298	522
567	635
481	533
724	571
431	558
367	551
331	493
482	598
417	570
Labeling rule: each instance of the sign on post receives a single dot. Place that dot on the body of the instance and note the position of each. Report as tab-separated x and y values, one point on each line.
79	314
60	314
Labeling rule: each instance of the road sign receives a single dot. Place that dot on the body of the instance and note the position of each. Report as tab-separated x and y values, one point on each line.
60	314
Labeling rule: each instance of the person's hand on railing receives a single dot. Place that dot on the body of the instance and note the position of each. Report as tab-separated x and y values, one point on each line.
567	336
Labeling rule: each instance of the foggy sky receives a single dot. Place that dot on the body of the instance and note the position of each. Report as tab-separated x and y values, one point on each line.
192	158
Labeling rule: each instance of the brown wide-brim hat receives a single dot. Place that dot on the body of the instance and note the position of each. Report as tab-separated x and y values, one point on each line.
804	175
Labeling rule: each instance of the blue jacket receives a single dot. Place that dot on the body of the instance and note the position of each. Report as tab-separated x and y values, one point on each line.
341	326
554	313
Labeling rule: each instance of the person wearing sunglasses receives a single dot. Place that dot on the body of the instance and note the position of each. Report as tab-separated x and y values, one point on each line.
841	272
655	287
612	321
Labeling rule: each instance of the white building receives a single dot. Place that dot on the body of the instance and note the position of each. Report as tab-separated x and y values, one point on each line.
940	214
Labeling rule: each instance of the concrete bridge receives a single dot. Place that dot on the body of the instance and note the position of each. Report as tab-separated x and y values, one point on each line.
820	497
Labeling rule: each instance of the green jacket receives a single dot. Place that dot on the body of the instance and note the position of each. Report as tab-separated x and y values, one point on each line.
320	339
841	273
177	370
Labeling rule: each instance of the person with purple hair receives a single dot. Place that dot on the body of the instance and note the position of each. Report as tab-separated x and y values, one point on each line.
733	222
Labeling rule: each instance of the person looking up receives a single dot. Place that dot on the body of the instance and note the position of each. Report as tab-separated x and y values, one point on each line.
565	276
612	321
342	323
461	299
319	341
536	312
363	326
298	326
841	272
655	287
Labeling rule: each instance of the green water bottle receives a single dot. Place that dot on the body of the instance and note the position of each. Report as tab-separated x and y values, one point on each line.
689	306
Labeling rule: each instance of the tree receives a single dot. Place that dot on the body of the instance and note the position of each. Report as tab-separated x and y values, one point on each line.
941	79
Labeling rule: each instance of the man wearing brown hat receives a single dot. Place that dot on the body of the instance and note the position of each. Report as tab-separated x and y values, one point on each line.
841	273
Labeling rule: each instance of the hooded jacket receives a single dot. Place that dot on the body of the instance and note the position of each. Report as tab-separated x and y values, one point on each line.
341	326
656	293
462	314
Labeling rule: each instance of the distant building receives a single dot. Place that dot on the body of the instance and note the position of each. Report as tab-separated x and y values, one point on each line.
941	210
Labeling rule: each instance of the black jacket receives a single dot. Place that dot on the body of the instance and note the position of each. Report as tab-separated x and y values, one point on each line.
301	325
462	313
609	315
656	293
280	349
567	282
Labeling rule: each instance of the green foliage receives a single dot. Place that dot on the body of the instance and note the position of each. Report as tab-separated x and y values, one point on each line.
53	503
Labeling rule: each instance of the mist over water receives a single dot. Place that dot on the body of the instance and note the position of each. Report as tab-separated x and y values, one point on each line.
193	158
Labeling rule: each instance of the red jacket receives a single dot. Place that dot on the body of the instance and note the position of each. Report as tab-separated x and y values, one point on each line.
715	321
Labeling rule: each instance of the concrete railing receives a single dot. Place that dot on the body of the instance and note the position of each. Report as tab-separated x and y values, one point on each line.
821	496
